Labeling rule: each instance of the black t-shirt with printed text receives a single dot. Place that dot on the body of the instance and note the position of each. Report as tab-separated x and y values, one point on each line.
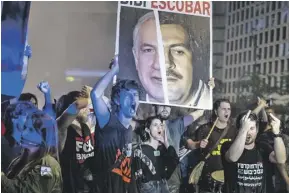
77	150
154	165
248	174
214	162
112	163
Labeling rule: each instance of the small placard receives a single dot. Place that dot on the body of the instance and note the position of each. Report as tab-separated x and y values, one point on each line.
156	153
45	171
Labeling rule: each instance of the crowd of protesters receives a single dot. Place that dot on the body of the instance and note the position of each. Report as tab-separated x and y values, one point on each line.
83	142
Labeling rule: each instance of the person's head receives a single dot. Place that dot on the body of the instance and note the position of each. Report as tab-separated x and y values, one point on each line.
178	57
153	128
29	97
163	111
125	98
15	118
66	100
254	127
146	56
222	110
39	133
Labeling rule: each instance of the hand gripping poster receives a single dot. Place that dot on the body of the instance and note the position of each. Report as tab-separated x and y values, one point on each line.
166	46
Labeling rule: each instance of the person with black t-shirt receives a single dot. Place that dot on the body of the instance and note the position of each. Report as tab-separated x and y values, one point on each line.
153	164
113	133
222	110
245	163
281	171
78	144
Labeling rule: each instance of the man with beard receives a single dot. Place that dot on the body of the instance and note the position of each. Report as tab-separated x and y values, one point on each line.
176	129
76	142
113	133
245	163
222	111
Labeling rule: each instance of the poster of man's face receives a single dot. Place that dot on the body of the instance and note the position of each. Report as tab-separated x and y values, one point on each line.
168	54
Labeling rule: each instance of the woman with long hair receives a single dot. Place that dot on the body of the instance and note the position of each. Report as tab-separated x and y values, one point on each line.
37	168
154	160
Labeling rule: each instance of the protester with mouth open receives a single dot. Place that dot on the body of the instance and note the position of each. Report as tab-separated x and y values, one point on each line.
175	129
222	111
153	164
246	163
111	165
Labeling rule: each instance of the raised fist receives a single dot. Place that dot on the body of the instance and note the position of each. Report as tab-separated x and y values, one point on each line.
44	87
114	64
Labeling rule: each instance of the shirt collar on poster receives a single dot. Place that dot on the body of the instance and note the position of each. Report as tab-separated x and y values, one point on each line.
196	96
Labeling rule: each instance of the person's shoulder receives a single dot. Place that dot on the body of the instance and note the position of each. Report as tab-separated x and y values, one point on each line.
206	126
49	160
112	121
265	138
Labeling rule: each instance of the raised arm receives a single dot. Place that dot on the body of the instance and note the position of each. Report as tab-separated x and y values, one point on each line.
279	154
44	87
261	105
67	117
100	109
236	149
189	119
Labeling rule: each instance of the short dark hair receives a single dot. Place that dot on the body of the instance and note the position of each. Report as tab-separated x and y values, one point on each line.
64	101
27	97
198	35
120	85
252	117
217	104
144	135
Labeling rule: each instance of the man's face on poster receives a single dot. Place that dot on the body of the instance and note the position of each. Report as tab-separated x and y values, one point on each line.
147	60
178	60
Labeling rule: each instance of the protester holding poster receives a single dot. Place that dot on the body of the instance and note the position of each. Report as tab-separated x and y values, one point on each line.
170	52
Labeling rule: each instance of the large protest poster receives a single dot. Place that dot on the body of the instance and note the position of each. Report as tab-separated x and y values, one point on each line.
14	20
166	46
